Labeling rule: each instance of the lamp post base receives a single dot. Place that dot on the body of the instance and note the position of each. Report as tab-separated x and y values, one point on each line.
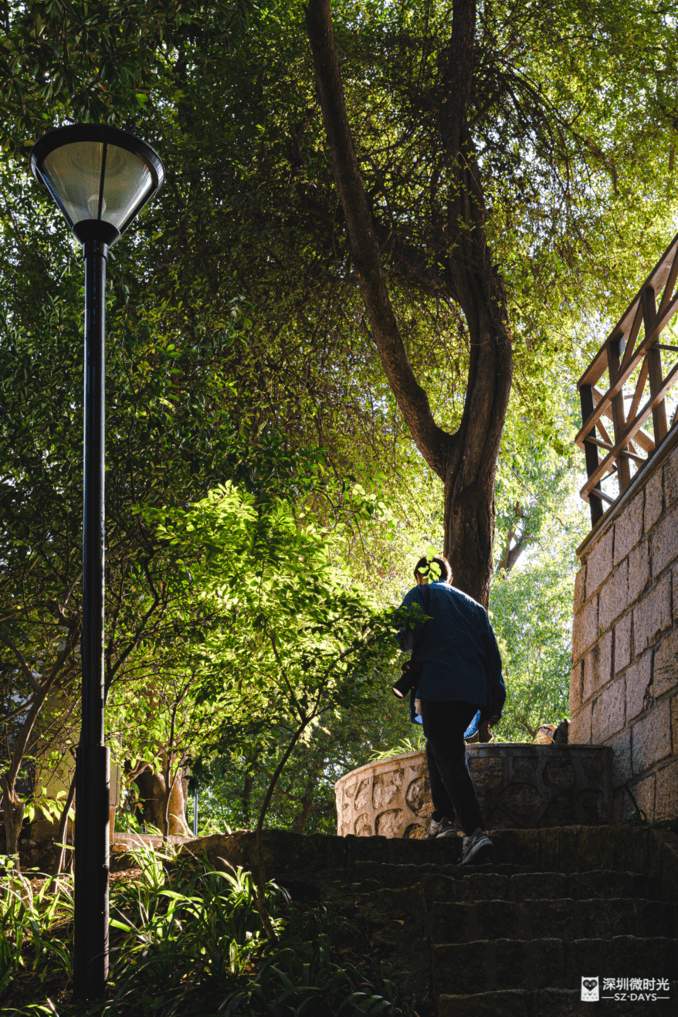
91	872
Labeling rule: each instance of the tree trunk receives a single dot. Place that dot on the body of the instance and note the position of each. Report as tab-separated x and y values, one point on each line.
169	782
247	798
466	461
62	833
260	880
152	794
13	810
511	554
306	810
13	807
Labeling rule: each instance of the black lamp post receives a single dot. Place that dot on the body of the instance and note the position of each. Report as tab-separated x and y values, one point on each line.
100	178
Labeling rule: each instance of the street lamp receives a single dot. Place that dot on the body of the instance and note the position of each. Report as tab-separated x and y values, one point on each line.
100	178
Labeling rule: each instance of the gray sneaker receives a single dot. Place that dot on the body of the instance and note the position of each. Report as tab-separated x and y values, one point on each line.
440	828
476	848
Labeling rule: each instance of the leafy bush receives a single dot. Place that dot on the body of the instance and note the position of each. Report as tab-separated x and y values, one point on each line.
32	922
415	743
185	940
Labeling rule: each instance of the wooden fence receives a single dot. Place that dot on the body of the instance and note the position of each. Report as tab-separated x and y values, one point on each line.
621	445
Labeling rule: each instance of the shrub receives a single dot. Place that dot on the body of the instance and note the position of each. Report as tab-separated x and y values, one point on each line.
185	940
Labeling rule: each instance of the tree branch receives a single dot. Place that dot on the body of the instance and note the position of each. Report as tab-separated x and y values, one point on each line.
432	441
261	876
28	674
15	713
63	824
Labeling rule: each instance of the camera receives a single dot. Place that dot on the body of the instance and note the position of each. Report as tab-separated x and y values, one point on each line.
408	680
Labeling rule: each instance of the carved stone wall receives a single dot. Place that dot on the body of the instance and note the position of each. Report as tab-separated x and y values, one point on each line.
518	786
624	684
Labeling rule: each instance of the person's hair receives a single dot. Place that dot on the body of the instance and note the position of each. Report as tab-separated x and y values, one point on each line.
423	568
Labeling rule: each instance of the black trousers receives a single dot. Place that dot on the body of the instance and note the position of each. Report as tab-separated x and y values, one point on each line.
452	789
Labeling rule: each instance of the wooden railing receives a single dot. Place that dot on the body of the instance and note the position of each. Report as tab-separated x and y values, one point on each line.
637	363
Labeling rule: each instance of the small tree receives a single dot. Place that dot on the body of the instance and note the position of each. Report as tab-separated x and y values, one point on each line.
290	641
155	725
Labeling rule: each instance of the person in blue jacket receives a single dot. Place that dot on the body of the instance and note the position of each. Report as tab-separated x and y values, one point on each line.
461	685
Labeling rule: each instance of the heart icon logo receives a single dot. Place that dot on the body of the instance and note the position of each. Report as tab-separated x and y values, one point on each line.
590	983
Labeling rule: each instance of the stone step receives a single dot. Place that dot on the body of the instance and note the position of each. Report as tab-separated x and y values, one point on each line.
454	922
604	883
506	1002
488	965
389	874
504	882
551	1002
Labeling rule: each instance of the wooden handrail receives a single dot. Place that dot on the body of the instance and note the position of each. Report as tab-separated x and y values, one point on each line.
659	277
628	371
629	433
620	356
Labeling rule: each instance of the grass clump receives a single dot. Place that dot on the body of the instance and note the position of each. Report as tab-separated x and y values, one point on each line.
186	940
35	918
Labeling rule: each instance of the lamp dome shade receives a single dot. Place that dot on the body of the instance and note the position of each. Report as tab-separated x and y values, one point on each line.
99	176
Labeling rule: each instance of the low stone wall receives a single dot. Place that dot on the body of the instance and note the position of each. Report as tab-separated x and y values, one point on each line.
624	684
122	843
295	857
519	786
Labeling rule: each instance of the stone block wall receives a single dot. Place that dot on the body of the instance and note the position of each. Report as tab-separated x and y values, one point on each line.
624	682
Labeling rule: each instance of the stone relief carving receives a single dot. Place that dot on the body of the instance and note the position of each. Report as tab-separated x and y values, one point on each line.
389	823
386	787
559	774
518	785
415	832
418	797
363	794
486	772
362	827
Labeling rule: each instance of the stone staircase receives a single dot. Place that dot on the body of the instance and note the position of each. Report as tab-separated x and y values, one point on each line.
508	939
511	942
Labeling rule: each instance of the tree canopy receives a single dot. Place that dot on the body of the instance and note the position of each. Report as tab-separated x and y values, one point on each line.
381	335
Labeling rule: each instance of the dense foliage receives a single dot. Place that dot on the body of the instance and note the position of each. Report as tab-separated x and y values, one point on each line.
266	501
241	362
188	939
284	646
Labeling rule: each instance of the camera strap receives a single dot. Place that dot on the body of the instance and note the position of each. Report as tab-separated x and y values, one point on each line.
422	636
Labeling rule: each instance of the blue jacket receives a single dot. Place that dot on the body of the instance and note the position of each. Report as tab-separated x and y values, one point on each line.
457	649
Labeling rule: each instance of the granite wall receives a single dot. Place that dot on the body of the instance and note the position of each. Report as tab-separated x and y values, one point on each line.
624	683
